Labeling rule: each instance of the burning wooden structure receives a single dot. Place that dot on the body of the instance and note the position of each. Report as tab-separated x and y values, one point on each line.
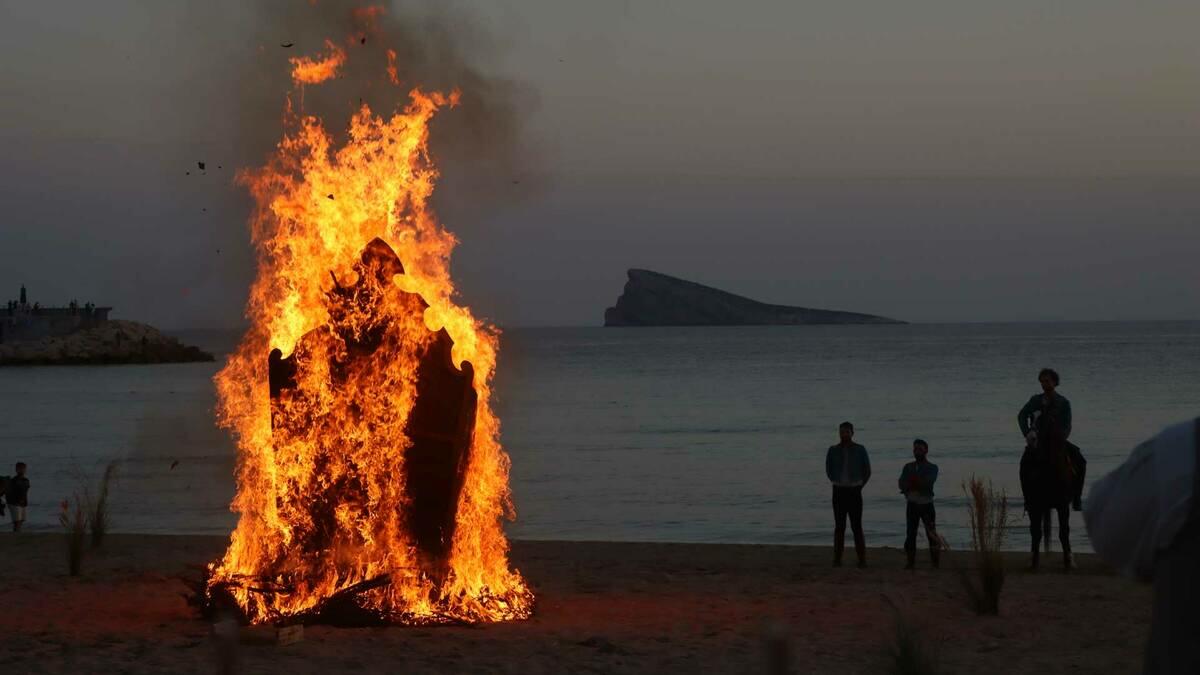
371	481
431	468
439	427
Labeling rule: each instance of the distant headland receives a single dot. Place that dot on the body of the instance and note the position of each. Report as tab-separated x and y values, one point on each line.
654	299
31	334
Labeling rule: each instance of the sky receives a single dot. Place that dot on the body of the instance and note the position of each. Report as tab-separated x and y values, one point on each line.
930	160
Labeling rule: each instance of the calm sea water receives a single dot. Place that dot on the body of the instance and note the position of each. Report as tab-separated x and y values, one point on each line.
681	434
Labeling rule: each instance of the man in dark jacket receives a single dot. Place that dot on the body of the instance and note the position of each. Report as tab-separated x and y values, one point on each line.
1045	411
916	484
848	469
17	496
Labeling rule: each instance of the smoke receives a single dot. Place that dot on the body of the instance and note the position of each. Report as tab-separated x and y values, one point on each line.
230	79
479	145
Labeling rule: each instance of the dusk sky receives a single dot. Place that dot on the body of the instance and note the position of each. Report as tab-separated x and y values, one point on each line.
928	160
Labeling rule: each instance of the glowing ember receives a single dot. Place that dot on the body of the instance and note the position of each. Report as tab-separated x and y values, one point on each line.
371	476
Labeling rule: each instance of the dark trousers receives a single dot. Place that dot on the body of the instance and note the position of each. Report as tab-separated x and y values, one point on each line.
847	501
916	514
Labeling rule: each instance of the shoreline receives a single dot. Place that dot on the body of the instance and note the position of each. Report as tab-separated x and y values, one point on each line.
602	607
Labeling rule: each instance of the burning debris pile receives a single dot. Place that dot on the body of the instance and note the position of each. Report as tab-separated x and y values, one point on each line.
371	482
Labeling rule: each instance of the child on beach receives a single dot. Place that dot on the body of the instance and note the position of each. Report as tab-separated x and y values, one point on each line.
916	484
17	496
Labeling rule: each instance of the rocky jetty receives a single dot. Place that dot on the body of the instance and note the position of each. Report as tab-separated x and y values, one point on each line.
113	341
653	299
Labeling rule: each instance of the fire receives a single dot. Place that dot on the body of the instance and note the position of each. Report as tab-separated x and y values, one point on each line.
393	75
342	478
307	70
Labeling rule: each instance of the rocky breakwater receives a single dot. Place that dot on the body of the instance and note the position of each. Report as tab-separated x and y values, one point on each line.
109	343
654	299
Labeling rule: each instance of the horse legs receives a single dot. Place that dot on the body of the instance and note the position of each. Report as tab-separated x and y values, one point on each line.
1064	535
1036	519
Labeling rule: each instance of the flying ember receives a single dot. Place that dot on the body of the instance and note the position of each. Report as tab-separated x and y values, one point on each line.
371	484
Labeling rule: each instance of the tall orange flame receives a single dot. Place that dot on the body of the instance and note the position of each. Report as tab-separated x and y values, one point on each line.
318	205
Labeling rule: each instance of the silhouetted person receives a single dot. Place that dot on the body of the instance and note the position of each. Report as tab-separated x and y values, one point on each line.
1052	468
848	469
17	496
1048	415
916	484
1144	519
1046	411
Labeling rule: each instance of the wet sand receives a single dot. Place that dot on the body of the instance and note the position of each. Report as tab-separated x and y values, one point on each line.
602	607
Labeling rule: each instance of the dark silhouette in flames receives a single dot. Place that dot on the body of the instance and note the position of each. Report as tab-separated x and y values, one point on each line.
439	427
440	424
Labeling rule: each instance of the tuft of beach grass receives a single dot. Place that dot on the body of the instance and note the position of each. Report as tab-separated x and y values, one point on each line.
987	511
73	518
99	520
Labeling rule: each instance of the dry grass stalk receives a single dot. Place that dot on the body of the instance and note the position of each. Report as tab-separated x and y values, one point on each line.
73	518
99	518
987	510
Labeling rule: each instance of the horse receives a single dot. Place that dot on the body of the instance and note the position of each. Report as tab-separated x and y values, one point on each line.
1048	483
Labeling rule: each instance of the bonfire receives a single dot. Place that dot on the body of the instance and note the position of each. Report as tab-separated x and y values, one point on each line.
371	484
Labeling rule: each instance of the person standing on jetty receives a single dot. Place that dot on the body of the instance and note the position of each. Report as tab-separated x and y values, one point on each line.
17	496
848	469
1144	520
916	484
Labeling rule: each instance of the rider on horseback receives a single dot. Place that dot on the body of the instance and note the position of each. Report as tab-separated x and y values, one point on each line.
1052	468
1047	413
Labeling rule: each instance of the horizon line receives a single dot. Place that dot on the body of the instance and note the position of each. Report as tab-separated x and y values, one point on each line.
987	322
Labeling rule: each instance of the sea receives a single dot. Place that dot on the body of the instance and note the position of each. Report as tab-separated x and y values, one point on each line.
706	434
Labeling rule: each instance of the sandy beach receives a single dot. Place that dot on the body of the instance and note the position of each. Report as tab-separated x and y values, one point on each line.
602	607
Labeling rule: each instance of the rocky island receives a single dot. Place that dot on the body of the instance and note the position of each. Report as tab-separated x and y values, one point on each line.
654	299
31	334
111	342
